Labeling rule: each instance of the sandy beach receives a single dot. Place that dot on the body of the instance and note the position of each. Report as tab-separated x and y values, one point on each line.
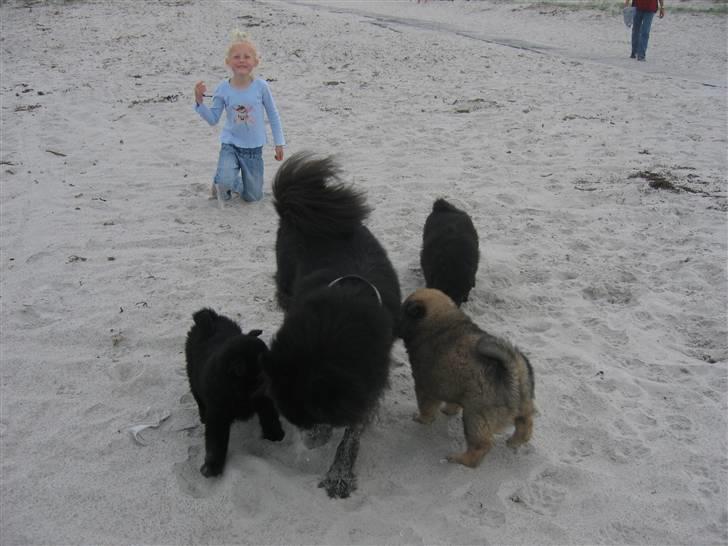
598	188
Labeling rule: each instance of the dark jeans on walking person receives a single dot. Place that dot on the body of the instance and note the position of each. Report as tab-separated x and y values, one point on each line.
641	33
644	13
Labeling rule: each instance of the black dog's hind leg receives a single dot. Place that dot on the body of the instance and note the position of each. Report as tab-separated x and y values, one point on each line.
270	423
340	480
217	435
201	408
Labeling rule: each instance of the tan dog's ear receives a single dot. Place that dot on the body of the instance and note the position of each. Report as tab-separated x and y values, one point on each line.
414	310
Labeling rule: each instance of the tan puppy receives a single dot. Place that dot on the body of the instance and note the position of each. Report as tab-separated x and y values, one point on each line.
455	362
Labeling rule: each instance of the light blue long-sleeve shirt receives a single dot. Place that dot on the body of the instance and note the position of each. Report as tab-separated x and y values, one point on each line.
244	114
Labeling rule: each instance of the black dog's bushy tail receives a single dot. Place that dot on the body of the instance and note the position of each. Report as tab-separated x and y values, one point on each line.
205	320
310	195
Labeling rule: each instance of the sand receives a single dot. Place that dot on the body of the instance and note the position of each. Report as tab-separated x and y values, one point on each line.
598	188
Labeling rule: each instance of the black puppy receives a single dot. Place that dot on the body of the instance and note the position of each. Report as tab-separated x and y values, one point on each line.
226	381
450	254
329	362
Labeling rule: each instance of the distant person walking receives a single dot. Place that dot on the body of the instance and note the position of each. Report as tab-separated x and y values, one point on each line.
644	13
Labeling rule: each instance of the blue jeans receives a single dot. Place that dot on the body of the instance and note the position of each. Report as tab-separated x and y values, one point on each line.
641	32
240	170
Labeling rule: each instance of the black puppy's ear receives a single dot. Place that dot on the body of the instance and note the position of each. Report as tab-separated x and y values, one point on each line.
414	310
255	333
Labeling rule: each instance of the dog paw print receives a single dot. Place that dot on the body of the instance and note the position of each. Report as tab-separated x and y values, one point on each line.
626	450
188	476
581	448
569	407
479	512
543	495
681	428
260	254
623	533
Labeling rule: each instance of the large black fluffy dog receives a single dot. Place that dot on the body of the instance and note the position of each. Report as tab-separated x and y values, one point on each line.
329	362
450	253
225	378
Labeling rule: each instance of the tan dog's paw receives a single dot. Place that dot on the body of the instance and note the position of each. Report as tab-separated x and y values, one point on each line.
424	419
514	442
470	458
451	409
522	434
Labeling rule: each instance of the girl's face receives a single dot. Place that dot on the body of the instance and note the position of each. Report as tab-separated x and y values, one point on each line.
242	59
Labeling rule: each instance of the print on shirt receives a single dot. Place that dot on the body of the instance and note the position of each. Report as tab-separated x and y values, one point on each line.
244	114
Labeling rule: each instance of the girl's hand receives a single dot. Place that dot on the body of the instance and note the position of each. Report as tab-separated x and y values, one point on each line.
200	90
279	153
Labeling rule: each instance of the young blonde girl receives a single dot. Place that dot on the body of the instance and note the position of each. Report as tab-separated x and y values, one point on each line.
244	99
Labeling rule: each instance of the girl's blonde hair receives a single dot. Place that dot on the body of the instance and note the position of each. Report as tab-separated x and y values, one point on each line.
238	36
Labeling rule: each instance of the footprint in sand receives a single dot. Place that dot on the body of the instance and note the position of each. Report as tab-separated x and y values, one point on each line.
196	188
581	448
679	423
626	450
261	254
123	372
188	476
484	516
479	506
608	293
645	420
572	365
545	493
681	428
571	411
624	428
37	315
537	326
702	476
620	533
507	199
534	275
617	338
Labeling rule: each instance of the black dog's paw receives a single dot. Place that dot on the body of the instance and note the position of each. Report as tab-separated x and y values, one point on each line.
274	435
339	487
210	470
271	427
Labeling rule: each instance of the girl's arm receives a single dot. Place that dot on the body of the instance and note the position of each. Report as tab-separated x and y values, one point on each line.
212	114
275	121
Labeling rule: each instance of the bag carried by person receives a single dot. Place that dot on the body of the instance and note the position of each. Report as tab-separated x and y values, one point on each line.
628	14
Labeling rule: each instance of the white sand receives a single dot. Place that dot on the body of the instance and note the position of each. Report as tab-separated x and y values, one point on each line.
533	119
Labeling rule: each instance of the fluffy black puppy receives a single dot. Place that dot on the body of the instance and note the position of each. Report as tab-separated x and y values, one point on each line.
225	378
329	362
450	254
